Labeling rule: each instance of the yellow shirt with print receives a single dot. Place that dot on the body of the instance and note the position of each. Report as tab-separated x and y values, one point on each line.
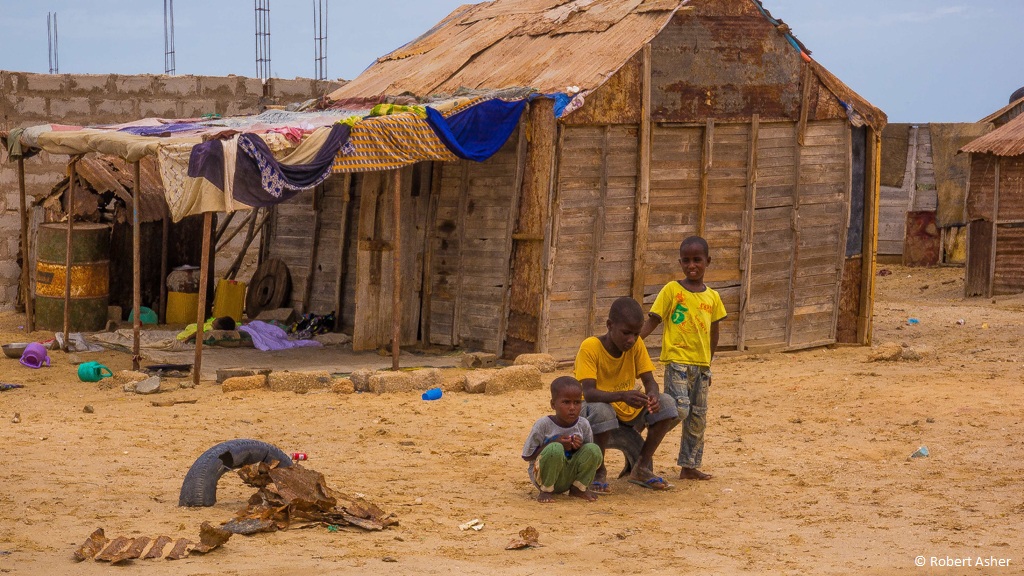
613	374
687	317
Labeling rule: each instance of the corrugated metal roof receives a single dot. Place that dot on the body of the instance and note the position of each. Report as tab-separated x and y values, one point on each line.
1007	140
547	45
105	174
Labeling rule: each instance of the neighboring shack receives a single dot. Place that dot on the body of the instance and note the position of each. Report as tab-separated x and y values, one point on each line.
995	206
700	117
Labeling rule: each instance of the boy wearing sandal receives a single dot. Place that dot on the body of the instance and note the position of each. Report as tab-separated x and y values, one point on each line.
608	367
691	311
560	447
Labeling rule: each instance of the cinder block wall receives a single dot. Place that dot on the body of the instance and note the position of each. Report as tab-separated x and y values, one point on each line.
28	99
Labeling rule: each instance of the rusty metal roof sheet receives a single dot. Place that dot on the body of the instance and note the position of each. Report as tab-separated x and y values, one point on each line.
547	45
1007	140
105	174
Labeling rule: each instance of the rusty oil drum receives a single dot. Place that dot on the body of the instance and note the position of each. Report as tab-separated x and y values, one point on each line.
90	276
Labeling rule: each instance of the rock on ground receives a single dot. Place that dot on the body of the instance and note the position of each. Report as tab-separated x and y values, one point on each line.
544	362
238	383
514	378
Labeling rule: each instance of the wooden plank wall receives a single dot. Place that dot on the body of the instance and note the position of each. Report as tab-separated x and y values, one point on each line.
594	214
470	238
895	201
925	191
1008	277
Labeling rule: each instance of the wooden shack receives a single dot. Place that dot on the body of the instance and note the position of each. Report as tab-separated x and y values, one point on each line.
699	117
995	207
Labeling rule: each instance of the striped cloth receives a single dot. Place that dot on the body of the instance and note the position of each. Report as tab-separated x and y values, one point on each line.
390	142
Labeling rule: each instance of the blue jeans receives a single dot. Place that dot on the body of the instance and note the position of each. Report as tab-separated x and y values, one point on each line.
688	385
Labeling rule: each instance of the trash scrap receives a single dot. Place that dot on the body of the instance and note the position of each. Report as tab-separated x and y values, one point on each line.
527	539
475	524
123	548
921	452
6	387
297	497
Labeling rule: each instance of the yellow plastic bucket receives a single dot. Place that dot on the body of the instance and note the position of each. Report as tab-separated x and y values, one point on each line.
229	299
182	307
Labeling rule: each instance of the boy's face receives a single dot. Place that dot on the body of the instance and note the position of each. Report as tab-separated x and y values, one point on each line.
567	405
694	262
624	334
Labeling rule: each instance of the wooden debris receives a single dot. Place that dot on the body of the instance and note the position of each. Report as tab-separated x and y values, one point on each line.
527	539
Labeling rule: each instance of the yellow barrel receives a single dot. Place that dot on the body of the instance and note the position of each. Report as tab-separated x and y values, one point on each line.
229	299
182	307
90	276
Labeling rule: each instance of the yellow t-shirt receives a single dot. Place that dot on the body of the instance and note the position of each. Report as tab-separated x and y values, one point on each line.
613	374
687	317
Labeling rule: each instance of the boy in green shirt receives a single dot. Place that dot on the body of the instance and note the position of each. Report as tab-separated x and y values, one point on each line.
692	312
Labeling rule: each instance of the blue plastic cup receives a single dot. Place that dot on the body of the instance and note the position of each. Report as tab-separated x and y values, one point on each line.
432	394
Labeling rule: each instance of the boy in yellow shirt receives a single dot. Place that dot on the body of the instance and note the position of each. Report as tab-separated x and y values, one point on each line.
608	367
692	312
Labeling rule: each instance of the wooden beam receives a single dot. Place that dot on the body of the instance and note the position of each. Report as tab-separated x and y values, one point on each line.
236	265
428	255
26	283
396	261
339	292
307	295
642	212
67	252
248	218
805	100
204	283
223	226
463	208
869	247
706	159
598	237
995	233
747	245
136	267
551	248
794	224
513	214
843	232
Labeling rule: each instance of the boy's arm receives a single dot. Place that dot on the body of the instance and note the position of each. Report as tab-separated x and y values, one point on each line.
650	324
563	440
714	338
592	394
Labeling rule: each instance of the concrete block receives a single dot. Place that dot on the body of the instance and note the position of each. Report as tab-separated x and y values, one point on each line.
426	378
86	84
30	105
52	83
9	270
195	108
158	108
361	379
238	383
217	86
544	362
150	385
515	378
299	382
115	111
248	87
225	373
343	386
887	352
387	381
176	85
478	360
71	110
135	85
475	381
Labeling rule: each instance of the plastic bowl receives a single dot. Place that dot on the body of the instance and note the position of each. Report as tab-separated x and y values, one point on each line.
15	349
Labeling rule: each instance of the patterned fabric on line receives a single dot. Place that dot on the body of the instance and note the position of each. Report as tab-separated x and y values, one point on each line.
389	142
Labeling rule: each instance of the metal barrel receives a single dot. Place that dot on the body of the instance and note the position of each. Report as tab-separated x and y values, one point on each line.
90	276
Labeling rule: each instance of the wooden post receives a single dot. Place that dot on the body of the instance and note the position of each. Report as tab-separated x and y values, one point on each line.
805	98
843	232
463	208
396	266
165	225
551	246
249	220
339	293
307	295
136	267
706	158
223	227
513	216
747	245
995	233
872	192
794	267
204	282
67	256
599	218
250	236
643	193
428	256
26	284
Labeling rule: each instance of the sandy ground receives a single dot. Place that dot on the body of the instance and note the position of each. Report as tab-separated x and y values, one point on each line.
810	452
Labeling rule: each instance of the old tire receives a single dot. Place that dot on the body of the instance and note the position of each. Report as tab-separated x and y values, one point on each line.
200	485
269	288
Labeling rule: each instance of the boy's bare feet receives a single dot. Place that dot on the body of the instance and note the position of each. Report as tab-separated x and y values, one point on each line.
693	474
586	495
545	497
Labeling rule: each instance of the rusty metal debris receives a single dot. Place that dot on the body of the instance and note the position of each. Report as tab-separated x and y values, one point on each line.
527	539
123	548
296	497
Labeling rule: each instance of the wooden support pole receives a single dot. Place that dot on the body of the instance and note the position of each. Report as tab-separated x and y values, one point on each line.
314	250
869	246
461	227
747	245
706	159
339	292
204	282
513	217
552	233
844	231
224	226
643	189
26	284
236	265
249	219
995	233
136	267
67	255
794	265
165	225
598	237
396	262
428	256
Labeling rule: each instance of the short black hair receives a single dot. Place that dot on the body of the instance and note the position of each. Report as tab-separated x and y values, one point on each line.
624	310
558	385
695	240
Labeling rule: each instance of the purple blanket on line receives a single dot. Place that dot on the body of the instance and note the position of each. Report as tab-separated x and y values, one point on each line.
269	337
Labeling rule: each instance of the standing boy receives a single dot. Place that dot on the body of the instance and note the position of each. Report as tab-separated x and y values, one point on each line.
560	447
608	366
692	312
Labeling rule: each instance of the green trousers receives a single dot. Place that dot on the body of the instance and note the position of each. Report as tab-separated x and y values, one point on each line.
556	473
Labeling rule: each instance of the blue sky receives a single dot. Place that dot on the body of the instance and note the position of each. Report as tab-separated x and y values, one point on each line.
919	60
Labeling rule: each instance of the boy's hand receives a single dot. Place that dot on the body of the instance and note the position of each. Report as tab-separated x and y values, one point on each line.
653	403
571	443
635	398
